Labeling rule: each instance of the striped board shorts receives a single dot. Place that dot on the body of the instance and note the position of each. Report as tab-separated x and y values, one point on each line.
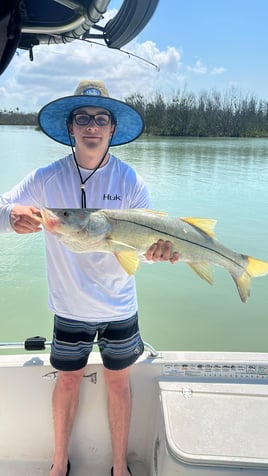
119	342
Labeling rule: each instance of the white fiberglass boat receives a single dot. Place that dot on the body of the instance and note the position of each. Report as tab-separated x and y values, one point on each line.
194	414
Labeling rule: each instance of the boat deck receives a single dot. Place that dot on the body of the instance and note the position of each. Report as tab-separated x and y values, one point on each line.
41	468
194	414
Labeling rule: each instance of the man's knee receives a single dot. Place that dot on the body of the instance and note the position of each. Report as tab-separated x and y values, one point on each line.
70	380
117	380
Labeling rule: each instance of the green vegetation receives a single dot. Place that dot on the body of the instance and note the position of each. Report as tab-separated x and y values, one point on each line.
206	115
212	114
18	118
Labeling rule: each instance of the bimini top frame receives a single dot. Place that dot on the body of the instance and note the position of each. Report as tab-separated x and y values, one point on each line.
27	23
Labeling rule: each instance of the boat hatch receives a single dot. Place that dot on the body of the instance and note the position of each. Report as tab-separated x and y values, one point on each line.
216	424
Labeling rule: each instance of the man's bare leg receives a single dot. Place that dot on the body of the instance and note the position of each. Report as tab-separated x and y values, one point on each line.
119	412
65	402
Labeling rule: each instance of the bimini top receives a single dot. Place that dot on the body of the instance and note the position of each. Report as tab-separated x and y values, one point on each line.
27	23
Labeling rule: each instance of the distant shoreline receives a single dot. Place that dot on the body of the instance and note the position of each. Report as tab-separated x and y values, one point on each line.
212	114
260	135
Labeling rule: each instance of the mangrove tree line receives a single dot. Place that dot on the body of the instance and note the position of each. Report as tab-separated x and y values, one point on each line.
213	114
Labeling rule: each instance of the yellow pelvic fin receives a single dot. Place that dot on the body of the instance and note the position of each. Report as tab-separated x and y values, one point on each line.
206	225
129	260
254	268
204	270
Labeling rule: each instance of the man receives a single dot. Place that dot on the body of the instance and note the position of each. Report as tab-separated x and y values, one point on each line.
89	294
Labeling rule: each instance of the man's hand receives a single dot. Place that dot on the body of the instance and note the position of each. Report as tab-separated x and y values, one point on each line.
22	219
162	251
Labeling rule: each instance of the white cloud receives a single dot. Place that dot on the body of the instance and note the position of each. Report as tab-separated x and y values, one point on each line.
198	68
218	70
57	69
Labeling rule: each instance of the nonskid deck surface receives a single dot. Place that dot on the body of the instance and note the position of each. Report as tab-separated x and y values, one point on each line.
42	468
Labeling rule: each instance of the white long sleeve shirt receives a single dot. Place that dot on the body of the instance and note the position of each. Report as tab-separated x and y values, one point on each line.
86	286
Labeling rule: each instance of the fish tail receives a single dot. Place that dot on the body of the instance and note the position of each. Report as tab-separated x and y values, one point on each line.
253	269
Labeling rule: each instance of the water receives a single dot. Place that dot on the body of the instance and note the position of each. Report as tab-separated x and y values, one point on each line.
226	179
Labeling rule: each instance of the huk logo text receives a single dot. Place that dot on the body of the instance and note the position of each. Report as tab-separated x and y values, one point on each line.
107	196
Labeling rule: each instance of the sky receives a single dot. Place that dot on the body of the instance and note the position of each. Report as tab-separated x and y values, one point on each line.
189	46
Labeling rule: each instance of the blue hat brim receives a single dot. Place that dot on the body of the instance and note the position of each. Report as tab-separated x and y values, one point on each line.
53	118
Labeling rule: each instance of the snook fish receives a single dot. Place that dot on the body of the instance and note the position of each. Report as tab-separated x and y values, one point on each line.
130	233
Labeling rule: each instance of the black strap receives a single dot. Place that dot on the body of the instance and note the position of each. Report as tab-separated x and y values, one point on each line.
82	186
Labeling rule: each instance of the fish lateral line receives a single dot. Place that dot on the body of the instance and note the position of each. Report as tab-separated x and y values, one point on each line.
185	240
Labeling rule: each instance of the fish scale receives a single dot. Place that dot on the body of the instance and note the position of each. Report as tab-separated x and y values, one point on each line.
129	233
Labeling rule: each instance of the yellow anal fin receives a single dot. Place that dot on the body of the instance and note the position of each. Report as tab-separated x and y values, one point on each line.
129	261
243	284
206	225
204	270
254	269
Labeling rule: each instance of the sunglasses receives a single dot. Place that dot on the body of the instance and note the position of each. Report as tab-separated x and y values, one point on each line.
101	119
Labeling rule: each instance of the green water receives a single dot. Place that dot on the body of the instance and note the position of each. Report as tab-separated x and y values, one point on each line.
226	179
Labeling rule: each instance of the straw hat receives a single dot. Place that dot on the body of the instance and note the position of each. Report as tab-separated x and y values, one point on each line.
54	116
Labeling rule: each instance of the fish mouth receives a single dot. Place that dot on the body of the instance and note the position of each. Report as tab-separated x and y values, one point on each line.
49	220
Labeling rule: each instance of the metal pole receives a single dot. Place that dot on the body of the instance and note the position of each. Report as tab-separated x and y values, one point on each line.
40	343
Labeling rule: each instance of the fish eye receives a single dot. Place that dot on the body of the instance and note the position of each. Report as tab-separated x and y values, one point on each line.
66	214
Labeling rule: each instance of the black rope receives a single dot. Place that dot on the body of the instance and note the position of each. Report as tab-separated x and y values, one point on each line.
83	182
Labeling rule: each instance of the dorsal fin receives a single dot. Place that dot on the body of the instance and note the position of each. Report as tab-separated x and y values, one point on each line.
148	211
206	225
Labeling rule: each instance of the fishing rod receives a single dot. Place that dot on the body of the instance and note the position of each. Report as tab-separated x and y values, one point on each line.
128	53
40	343
97	43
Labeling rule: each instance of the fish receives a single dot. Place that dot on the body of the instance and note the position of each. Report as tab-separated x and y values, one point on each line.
129	233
